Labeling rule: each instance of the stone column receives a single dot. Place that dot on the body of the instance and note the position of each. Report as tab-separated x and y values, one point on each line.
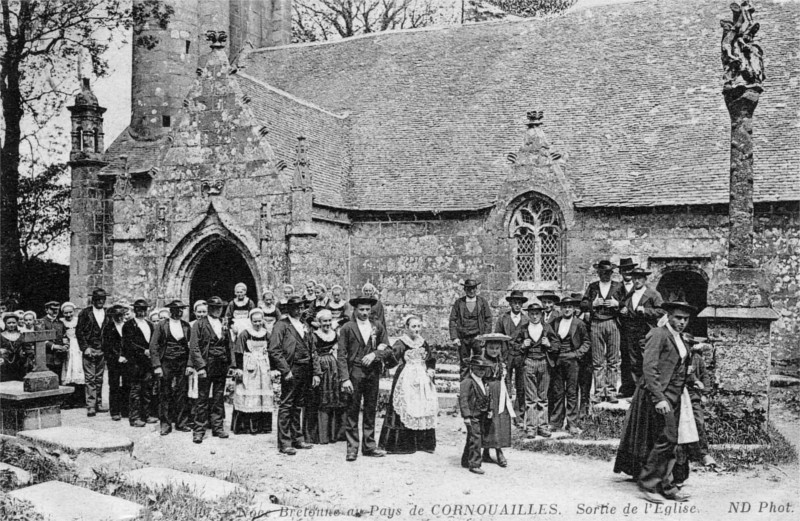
739	312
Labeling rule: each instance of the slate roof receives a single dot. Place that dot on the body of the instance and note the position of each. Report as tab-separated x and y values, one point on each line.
631	93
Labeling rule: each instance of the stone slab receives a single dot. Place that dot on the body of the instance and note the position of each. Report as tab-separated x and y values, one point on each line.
202	487
447	401
759	313
622	405
14	391
74	440
779	380
23	476
64	502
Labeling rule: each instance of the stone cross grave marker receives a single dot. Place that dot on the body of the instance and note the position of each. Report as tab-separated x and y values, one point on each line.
40	378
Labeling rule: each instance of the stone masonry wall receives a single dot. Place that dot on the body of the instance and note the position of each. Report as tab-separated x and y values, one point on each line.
322	258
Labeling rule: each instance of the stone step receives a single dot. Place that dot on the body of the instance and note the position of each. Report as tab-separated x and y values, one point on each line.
22	476
622	405
780	380
75	440
447	401
202	487
59	501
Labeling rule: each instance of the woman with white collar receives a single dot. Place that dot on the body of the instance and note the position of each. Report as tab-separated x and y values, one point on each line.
270	309
324	414
72	371
253	397
410	421
238	311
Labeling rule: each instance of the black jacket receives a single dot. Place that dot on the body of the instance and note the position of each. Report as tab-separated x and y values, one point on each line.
89	333
161	335
352	348
286	345
134	348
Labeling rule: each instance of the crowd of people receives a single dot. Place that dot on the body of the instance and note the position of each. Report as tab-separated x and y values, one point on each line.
534	369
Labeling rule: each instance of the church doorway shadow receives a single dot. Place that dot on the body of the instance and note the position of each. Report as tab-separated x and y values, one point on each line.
218	271
692	287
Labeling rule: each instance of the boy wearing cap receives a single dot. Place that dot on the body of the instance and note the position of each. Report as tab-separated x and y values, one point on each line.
91	321
475	404
510	324
639	313
56	351
603	299
363	346
136	335
169	352
118	389
574	344
470	316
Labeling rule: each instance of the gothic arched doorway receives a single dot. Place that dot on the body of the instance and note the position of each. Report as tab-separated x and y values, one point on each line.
690	286
217	270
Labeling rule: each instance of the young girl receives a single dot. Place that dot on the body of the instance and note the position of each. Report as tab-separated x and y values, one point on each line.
253	397
410	421
12	365
324	415
238	310
72	372
28	322
498	435
271	311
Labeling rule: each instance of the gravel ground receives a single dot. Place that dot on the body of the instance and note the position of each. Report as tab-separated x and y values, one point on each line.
550	486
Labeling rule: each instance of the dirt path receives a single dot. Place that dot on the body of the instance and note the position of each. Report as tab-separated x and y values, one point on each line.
552	486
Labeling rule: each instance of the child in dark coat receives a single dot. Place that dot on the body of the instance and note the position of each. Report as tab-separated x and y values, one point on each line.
475	403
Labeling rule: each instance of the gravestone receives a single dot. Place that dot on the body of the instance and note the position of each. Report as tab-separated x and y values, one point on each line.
35	402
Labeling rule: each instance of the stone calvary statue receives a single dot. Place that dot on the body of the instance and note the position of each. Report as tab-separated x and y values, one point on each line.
742	59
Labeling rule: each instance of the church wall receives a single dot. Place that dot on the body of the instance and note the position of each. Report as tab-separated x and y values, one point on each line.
417	265
323	258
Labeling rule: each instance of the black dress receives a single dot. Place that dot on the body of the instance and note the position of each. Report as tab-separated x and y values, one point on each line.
14	359
324	415
396	437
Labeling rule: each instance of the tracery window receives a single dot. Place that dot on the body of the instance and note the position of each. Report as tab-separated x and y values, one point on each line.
537	227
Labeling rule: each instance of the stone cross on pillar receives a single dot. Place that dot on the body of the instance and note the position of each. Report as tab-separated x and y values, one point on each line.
41	378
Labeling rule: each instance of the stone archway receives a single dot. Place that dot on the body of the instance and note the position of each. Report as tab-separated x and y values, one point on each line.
210	259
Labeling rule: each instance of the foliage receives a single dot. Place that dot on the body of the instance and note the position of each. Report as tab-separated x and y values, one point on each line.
42	468
726	423
532	8
42	41
44	209
317	20
12	509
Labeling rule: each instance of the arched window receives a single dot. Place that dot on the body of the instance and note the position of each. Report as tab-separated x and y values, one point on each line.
537	228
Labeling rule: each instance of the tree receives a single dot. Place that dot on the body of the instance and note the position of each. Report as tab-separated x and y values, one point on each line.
44	205
316	20
41	40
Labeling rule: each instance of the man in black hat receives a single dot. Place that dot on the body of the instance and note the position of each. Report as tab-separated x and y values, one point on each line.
475	404
118	389
291	349
169	354
651	425
363	345
88	331
549	299
602	299
639	312
469	317
574	343
210	355
626	266
136	335
56	350
510	323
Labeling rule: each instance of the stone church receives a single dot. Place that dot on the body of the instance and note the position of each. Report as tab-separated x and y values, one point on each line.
517	152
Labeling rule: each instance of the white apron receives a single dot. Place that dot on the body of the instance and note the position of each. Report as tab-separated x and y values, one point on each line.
415	400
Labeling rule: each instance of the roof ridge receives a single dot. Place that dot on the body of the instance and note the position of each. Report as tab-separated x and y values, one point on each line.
290	96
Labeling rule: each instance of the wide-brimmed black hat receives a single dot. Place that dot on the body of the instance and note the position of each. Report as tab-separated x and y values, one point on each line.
215	302
140	303
604	265
479	361
534	306
293	301
680	304
517	295
493	337
52	304
117	309
550	295
99	293
626	264
355	302
639	272
177	304
573	299
471	283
